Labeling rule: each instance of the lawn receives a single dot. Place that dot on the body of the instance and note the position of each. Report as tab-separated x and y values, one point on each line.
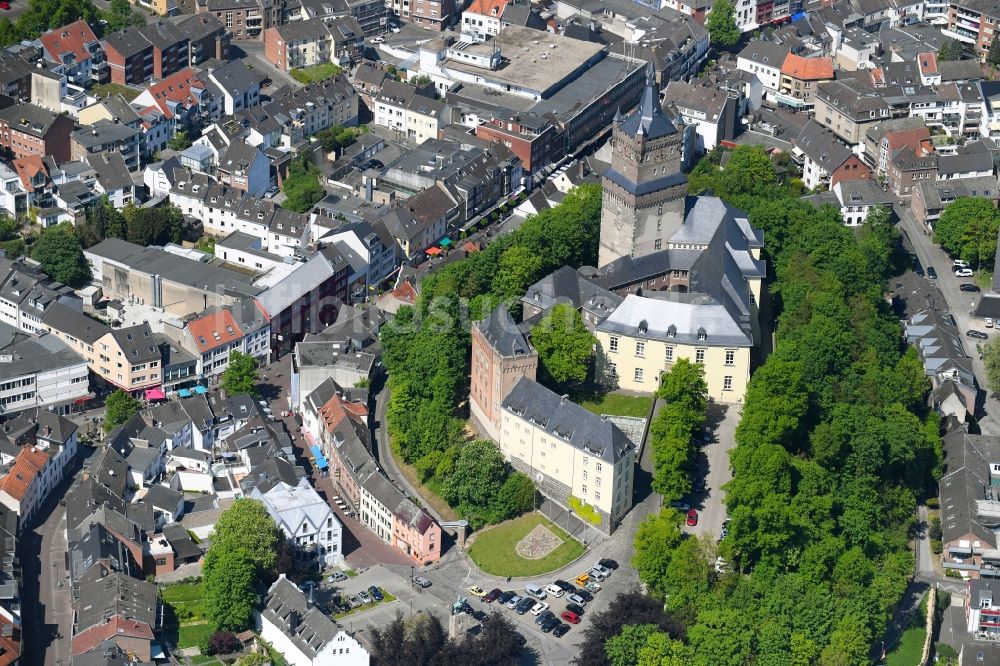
322	72
984	279
387	597
910	647
105	89
493	549
619	404
185	619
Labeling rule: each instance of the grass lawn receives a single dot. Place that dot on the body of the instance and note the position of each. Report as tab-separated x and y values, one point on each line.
428	494
619	404
386	598
105	89
322	72
493	549
910	647
203	659
985	280
185	618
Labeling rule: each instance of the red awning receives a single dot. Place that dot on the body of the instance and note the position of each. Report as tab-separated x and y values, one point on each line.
155	394
434	251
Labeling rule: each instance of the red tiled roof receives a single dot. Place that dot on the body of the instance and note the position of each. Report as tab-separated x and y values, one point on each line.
27	168
87	640
72	38
175	88
927	62
28	464
214	330
337	409
405	292
487	7
911	138
10	646
807	69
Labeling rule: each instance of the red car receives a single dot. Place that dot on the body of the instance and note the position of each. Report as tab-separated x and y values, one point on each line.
570	617
492	595
692	517
4	5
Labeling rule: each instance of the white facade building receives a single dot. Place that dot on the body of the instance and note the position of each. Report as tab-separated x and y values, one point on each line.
306	519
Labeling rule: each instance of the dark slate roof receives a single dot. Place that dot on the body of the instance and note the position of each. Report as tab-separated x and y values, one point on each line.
566	285
164	498
97	544
117	594
963	485
629	270
127	42
67	320
822	147
137	343
645	187
182	543
649	118
270	473
308	628
502	333
563	418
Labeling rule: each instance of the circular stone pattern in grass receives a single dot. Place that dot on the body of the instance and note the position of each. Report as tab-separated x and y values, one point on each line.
518	548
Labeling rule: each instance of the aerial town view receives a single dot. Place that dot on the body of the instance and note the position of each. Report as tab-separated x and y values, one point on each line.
499	332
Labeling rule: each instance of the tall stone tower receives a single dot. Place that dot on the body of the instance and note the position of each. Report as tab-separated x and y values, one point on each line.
501	355
644	189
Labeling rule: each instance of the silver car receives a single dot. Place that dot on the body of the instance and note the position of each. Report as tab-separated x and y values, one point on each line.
514	601
421	581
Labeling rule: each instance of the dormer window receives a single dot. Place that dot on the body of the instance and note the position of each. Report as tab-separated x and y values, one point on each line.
702	335
672	331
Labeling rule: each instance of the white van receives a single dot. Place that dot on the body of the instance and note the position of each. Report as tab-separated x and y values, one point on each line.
554	590
534	591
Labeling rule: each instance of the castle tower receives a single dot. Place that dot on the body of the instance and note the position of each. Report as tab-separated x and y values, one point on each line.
644	189
501	355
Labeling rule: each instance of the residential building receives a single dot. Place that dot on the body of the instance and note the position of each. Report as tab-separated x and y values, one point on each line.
569	286
402	107
884	139
825	160
764	59
972	24
183	97
572	455
849	109
855	199
107	136
119	610
931	197
966	487
907	168
244	19
299	44
26	293
431	14
306	520
113	178
78	51
371	16
481	19
27	129
643	202
26	484
799	79
15	198
314	108
245	168
501	355
130	57
207	37
302	634
39	372
214	334
237	85
535	140
713	113
939	344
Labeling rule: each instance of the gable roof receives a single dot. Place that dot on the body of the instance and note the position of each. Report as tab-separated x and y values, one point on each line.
29	464
306	627
178	88
502	333
822	147
72	38
807	69
215	328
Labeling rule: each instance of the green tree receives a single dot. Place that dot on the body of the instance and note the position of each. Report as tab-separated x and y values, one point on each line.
564	344
301	187
119	408
254	659
654	545
968	229
241	375
248	516
229	578
991	359
476	482
59	253
9	227
180	140
993	55
623	649
519	268
721	24
951	50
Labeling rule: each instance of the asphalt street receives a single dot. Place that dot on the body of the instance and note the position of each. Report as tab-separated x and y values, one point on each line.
714	469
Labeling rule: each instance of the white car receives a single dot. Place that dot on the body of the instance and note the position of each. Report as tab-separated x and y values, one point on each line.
988	323
378	40
514	600
539	608
960	263
604	571
963	272
554	590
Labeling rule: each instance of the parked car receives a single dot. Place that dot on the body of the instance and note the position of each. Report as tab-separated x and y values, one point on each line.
271	191
963	272
539	608
544	617
608	563
592	587
514	601
4	5
576	608
959	263
988	322
421	581
692	517
931	273
561	630
604	571
476	591
550	624
554	590
524	605
336	577
596	575
966	286
587	596
492	595
479	615
376	593
978	335
680	506
570	617
564	586
506	596
534	591
378	40
356	601
365	597
576	599
520	638
582	579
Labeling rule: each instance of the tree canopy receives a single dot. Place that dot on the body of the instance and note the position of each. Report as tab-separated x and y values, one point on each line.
241	375
564	343
301	186
951	49
119	408
424	640
59	253
993	55
991	359
968	229
673	432
721	24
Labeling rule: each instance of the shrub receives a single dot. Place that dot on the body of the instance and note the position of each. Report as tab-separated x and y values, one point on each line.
223	642
936	546
584	510
932	503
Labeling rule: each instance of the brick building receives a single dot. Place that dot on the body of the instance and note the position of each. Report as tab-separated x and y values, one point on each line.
501	355
27	129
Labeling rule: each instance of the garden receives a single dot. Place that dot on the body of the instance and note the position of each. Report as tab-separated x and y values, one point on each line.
307	75
519	548
185	624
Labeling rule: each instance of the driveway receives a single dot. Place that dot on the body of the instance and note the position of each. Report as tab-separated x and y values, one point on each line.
713	467
960	303
253	53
